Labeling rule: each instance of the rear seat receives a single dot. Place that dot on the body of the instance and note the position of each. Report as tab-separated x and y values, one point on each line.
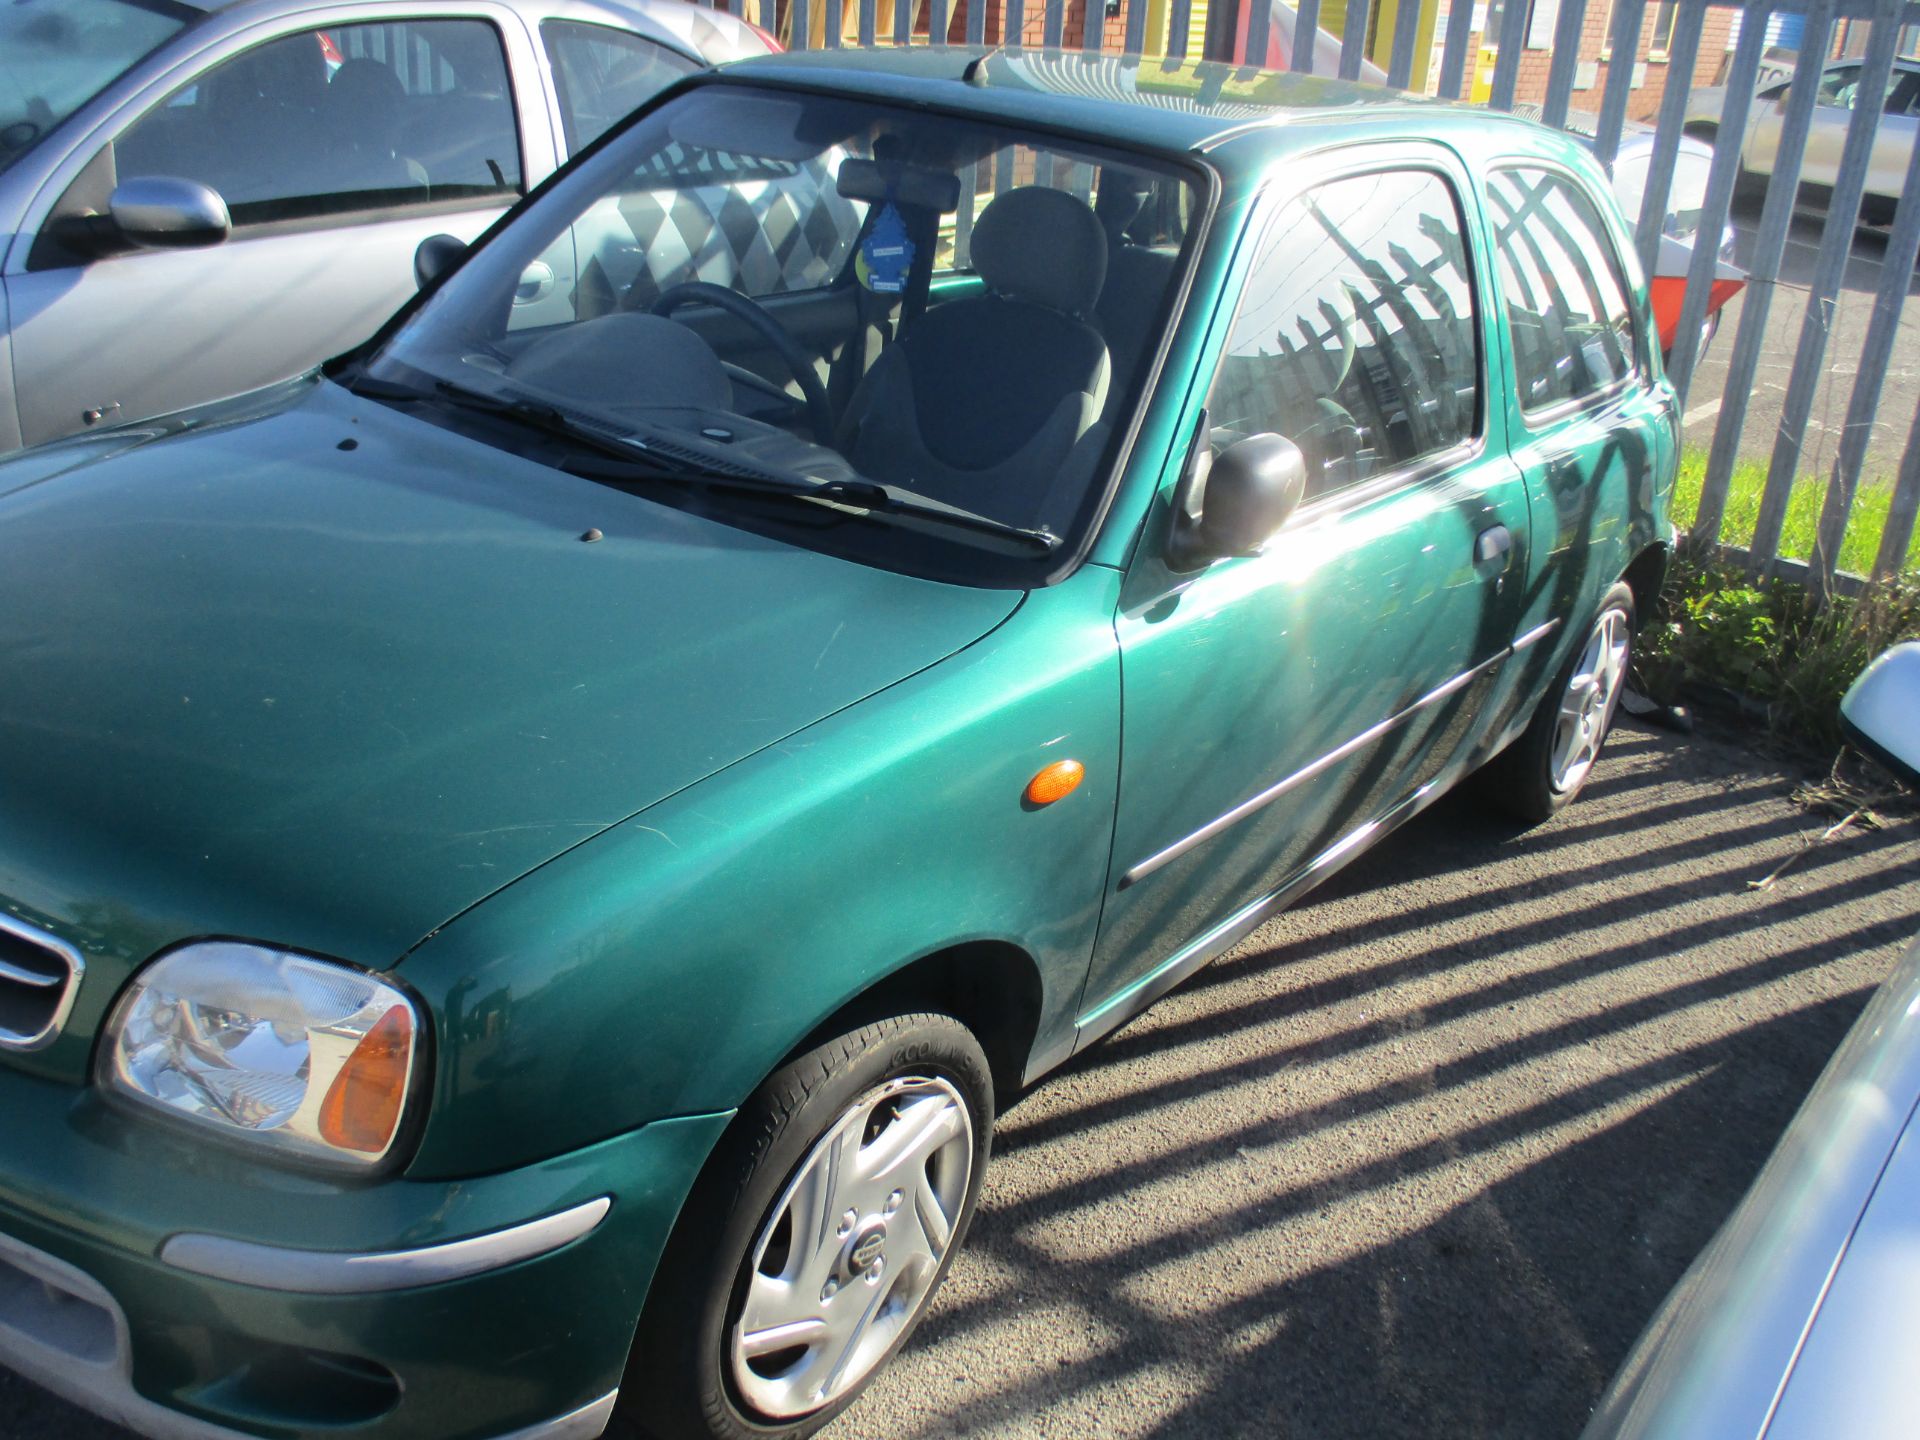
1135	289
1128	309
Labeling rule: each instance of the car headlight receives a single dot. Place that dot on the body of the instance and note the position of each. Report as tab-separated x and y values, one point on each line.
307	1057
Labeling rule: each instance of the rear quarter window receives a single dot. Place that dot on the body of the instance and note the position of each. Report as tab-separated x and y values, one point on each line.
1568	316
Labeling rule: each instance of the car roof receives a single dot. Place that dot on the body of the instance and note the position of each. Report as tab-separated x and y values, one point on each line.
1150	102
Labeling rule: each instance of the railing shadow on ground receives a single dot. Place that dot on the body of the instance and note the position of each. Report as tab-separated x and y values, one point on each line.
1420	1157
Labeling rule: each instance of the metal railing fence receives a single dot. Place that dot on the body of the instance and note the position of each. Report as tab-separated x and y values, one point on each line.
1163	31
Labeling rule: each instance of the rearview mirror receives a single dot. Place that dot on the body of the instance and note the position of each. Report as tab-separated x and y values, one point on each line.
1881	710
1233	505
877	181
437	255
162	212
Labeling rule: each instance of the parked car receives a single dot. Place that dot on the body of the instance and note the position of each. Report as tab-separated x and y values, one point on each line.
545	830
1679	230
1798	1320
195	201
1679	227
1832	111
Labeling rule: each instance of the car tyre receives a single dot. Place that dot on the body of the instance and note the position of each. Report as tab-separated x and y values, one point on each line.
1538	776
816	1236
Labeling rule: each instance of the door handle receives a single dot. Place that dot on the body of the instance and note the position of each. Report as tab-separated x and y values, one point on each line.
1494	543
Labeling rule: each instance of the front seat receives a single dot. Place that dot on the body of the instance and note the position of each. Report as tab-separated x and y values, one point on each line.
364	121
993	402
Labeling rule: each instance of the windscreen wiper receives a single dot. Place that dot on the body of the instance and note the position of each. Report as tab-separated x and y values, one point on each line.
642	460
627	458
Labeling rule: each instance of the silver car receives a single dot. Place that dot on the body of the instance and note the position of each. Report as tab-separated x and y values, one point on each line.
1833	105
195	201
1799	1321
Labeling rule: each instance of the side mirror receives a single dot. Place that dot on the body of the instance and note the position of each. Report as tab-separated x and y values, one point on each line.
161	212
1881	710
436	256
1233	505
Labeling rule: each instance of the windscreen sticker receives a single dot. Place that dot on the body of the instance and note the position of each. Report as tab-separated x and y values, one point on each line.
886	255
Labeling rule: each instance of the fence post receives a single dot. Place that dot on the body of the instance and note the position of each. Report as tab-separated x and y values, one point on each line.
1506	64
1453	60
1898	535
1836	248
1306	31
1721	176
1624	40
1353	37
1566	55
1406	35
1683	50
1259	31
1896	276
1771	242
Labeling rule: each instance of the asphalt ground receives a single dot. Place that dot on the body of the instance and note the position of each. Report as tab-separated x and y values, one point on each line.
1786	315
1421	1156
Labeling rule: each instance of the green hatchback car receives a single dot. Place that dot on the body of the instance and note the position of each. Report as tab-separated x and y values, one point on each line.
528	861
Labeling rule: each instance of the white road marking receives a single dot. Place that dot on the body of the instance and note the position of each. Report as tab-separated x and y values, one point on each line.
1700	412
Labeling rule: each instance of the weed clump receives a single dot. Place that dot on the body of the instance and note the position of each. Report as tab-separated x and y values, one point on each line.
1773	651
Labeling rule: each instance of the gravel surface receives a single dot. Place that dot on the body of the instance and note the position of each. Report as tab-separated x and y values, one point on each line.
1420	1157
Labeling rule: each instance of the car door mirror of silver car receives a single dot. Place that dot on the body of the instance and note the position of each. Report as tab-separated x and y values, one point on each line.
1231	503
436	256
163	212
1881	710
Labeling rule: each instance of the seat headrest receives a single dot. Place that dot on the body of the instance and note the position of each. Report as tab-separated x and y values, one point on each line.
1121	199
1042	246
362	85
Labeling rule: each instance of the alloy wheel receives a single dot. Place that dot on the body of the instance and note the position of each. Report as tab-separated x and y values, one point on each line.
1586	707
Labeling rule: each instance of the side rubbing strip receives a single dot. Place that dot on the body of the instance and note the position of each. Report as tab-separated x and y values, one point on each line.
1539	632
325	1272
1333	757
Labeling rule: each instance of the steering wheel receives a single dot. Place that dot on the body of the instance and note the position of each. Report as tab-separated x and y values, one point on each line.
699	292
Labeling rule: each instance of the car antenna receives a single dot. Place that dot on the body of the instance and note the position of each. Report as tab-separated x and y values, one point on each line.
976	71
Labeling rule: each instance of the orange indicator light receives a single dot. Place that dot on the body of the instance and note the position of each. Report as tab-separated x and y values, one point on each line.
362	1108
1056	782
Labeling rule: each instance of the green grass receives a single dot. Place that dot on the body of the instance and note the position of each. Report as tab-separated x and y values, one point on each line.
1864	526
1775	644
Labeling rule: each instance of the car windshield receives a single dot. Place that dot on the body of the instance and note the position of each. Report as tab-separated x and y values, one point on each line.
55	55
970	306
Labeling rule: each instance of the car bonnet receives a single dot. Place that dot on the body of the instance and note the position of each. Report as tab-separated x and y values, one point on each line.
328	678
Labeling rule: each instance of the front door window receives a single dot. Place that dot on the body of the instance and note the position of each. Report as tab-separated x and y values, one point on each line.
345	118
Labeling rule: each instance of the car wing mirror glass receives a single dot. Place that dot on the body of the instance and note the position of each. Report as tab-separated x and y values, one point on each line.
1233	502
1881	710
164	212
436	256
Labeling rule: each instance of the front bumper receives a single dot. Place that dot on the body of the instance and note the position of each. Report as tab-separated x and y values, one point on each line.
522	1330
